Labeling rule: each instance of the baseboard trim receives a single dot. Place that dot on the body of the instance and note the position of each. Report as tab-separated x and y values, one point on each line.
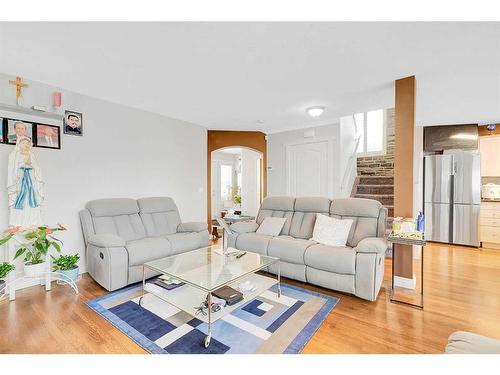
404	282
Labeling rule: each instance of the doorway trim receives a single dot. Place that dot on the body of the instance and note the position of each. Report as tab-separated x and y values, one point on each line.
217	139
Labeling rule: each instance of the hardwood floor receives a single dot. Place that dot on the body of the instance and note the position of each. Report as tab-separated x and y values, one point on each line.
462	292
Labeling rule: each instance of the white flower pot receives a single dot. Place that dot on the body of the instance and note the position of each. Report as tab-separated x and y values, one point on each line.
34	270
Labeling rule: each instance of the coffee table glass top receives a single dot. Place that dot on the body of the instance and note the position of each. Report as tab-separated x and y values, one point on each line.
206	269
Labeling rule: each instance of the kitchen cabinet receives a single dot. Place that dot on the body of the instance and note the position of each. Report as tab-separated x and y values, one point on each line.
489	146
489	225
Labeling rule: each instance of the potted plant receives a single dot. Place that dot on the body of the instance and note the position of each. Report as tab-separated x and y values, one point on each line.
5	268
35	244
66	265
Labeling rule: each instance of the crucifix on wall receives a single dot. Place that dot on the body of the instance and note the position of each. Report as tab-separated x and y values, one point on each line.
19	86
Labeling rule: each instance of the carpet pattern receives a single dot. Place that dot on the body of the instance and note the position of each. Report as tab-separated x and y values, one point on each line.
266	324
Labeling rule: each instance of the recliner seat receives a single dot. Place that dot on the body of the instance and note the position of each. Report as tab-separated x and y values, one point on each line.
357	268
122	234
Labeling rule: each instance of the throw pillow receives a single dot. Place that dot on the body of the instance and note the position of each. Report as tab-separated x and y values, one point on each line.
331	231
271	226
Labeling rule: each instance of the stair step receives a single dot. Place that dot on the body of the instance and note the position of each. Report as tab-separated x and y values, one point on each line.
385	199
376	180
375	189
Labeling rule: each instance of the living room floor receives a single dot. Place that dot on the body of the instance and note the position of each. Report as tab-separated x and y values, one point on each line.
462	292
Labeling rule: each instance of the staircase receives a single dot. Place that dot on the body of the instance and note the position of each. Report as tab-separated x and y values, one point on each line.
380	188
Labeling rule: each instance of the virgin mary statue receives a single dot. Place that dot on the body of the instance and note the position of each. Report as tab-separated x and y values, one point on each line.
24	186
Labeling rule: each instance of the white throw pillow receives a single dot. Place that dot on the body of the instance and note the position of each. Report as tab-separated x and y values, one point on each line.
271	226
331	231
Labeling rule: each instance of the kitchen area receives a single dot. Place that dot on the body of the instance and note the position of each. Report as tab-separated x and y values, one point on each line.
462	185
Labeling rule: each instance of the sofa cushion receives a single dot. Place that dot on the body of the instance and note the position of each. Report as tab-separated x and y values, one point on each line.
112	207
271	226
147	249
332	259
257	243
331	231
364	212
128	227
185	241
290	250
160	215
304	217
277	207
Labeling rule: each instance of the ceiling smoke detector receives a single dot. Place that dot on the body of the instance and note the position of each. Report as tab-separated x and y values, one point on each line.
315	111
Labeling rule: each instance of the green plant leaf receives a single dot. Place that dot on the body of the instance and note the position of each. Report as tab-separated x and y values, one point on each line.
20	252
56	246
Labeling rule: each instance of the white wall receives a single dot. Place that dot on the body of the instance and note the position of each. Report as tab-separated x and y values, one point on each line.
250	187
123	152
340	143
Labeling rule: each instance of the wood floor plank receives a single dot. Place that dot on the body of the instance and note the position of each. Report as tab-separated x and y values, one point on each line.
462	292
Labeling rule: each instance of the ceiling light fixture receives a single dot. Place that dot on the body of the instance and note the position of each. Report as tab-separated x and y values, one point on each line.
315	111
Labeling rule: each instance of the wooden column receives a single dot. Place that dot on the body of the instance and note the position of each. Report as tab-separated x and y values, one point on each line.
403	165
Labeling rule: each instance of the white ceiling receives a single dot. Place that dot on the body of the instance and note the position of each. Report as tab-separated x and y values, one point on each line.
258	76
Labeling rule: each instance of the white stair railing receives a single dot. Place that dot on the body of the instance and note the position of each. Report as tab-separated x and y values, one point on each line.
352	158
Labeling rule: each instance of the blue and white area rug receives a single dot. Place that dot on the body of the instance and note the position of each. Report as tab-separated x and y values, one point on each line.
265	325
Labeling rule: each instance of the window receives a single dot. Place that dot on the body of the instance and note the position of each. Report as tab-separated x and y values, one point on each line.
371	132
226	182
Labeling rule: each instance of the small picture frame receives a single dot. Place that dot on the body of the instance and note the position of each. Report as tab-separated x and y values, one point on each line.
73	123
48	136
17	128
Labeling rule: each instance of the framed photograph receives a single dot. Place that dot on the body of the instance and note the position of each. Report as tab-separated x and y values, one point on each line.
48	136
17	128
2	128
73	123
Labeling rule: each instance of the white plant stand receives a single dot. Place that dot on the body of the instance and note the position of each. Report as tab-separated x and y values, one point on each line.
48	275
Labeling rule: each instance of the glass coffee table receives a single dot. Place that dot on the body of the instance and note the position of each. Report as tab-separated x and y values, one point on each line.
203	271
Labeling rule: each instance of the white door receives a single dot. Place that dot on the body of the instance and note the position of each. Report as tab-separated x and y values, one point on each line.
307	169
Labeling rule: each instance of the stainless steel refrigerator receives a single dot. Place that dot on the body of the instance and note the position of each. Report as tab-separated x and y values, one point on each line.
452	197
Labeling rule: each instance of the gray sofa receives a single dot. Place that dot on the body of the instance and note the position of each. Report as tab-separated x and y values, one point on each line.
357	268
461	342
122	234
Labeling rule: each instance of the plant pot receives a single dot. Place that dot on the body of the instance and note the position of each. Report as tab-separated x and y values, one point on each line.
34	270
71	274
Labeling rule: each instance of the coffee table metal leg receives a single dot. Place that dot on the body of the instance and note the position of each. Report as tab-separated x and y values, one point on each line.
143	285
279	280
209	332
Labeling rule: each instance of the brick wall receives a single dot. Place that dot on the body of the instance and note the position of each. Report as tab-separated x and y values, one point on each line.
380	165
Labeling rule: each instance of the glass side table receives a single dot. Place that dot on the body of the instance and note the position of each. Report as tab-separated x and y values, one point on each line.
395	240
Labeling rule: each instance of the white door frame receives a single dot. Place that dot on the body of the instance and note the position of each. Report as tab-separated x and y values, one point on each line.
329	162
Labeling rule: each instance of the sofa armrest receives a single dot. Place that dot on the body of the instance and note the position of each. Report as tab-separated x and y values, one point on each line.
106	240
373	245
193	226
244	227
470	343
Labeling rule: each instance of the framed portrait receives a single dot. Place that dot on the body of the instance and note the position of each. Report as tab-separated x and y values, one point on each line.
16	128
73	123
2	129
48	136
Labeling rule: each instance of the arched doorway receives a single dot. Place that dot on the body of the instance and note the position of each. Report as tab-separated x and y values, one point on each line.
250	140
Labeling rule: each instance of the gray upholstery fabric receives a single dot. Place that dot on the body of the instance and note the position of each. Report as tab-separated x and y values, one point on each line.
257	243
348	269
160	216
290	250
461	342
244	227
129	227
108	266
277	207
330	280
120	237
333	259
290	270
304	217
364	213
369	275
112	207
182	242
106	240
147	249
193	226
372	245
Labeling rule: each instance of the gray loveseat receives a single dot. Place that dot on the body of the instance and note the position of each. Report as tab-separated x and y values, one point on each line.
122	234
357	268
